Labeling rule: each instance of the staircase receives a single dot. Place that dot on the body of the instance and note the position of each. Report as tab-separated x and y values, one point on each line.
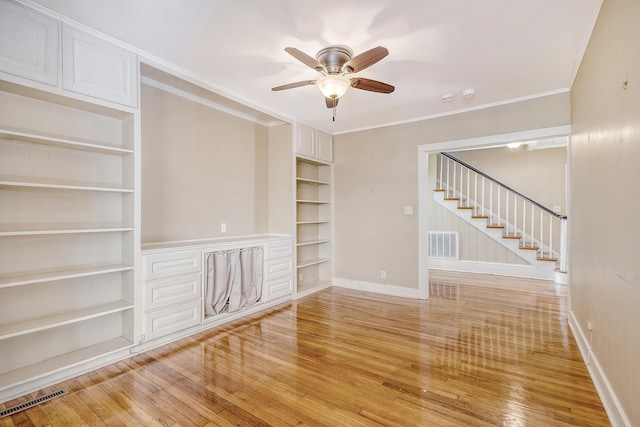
533	232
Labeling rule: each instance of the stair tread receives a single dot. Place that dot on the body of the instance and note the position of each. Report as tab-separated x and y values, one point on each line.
494	226
512	236
479	217
547	259
439	190
529	248
452	198
465	207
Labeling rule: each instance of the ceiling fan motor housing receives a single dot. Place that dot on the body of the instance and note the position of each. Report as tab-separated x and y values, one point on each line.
334	57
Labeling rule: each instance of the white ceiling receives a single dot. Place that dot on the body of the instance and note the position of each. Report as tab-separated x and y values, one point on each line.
504	49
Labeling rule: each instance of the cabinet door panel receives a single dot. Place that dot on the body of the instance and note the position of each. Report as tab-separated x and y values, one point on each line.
94	67
173	319
28	44
305	141
158	266
278	288
279	249
278	267
324	146
172	290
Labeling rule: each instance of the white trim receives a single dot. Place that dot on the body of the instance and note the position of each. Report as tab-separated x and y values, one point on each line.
493	140
298	295
198	80
561	278
610	401
454	112
377	288
207	324
156	62
585	43
191	97
498	269
50	379
423	225
64	374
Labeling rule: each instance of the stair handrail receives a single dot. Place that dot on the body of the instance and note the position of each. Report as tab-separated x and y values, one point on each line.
479	172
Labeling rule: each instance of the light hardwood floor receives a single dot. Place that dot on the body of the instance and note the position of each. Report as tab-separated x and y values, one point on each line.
482	351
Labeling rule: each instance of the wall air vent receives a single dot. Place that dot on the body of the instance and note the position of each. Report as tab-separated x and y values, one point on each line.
444	244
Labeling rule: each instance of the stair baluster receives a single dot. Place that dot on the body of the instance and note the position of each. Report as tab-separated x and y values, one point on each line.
453	187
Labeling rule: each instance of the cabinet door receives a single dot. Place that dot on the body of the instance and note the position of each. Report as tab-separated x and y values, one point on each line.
306	141
278	288
28	43
324	146
94	67
168	264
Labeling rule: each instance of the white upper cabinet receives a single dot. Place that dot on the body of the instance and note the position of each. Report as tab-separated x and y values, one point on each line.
28	43
324	146
97	68
314	144
306	141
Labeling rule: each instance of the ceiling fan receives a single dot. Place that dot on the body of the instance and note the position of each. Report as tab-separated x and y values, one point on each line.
336	63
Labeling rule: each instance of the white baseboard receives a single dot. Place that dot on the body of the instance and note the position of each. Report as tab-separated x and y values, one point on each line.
378	288
217	320
610	401
512	270
308	292
49	379
53	378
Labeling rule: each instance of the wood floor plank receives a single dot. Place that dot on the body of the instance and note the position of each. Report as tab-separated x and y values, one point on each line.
482	351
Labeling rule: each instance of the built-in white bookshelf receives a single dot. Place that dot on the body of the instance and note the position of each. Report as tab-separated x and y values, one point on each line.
313	224
67	191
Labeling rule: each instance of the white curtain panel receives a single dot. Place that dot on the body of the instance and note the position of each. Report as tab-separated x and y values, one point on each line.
233	277
250	279
221	277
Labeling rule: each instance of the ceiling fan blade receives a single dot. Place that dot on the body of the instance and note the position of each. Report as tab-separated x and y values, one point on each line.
292	85
332	102
371	85
365	59
305	59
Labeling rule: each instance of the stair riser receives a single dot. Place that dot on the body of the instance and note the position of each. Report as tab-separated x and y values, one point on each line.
495	233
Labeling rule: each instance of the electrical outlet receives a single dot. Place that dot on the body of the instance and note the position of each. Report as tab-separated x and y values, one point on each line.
383	274
589	325
408	210
223	227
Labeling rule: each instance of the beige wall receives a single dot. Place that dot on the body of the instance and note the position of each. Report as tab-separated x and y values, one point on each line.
281	174
605	174
200	167
376	174
538	174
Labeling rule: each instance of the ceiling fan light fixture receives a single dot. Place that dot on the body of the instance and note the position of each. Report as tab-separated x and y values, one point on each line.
333	85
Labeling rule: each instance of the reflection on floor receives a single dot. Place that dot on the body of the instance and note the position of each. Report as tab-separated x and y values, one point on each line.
482	351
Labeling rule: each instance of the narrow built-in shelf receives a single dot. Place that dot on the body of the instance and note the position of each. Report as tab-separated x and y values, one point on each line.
319	202
44	229
53	275
318	221
310	262
77	144
311	181
312	242
61	319
67	360
52	186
